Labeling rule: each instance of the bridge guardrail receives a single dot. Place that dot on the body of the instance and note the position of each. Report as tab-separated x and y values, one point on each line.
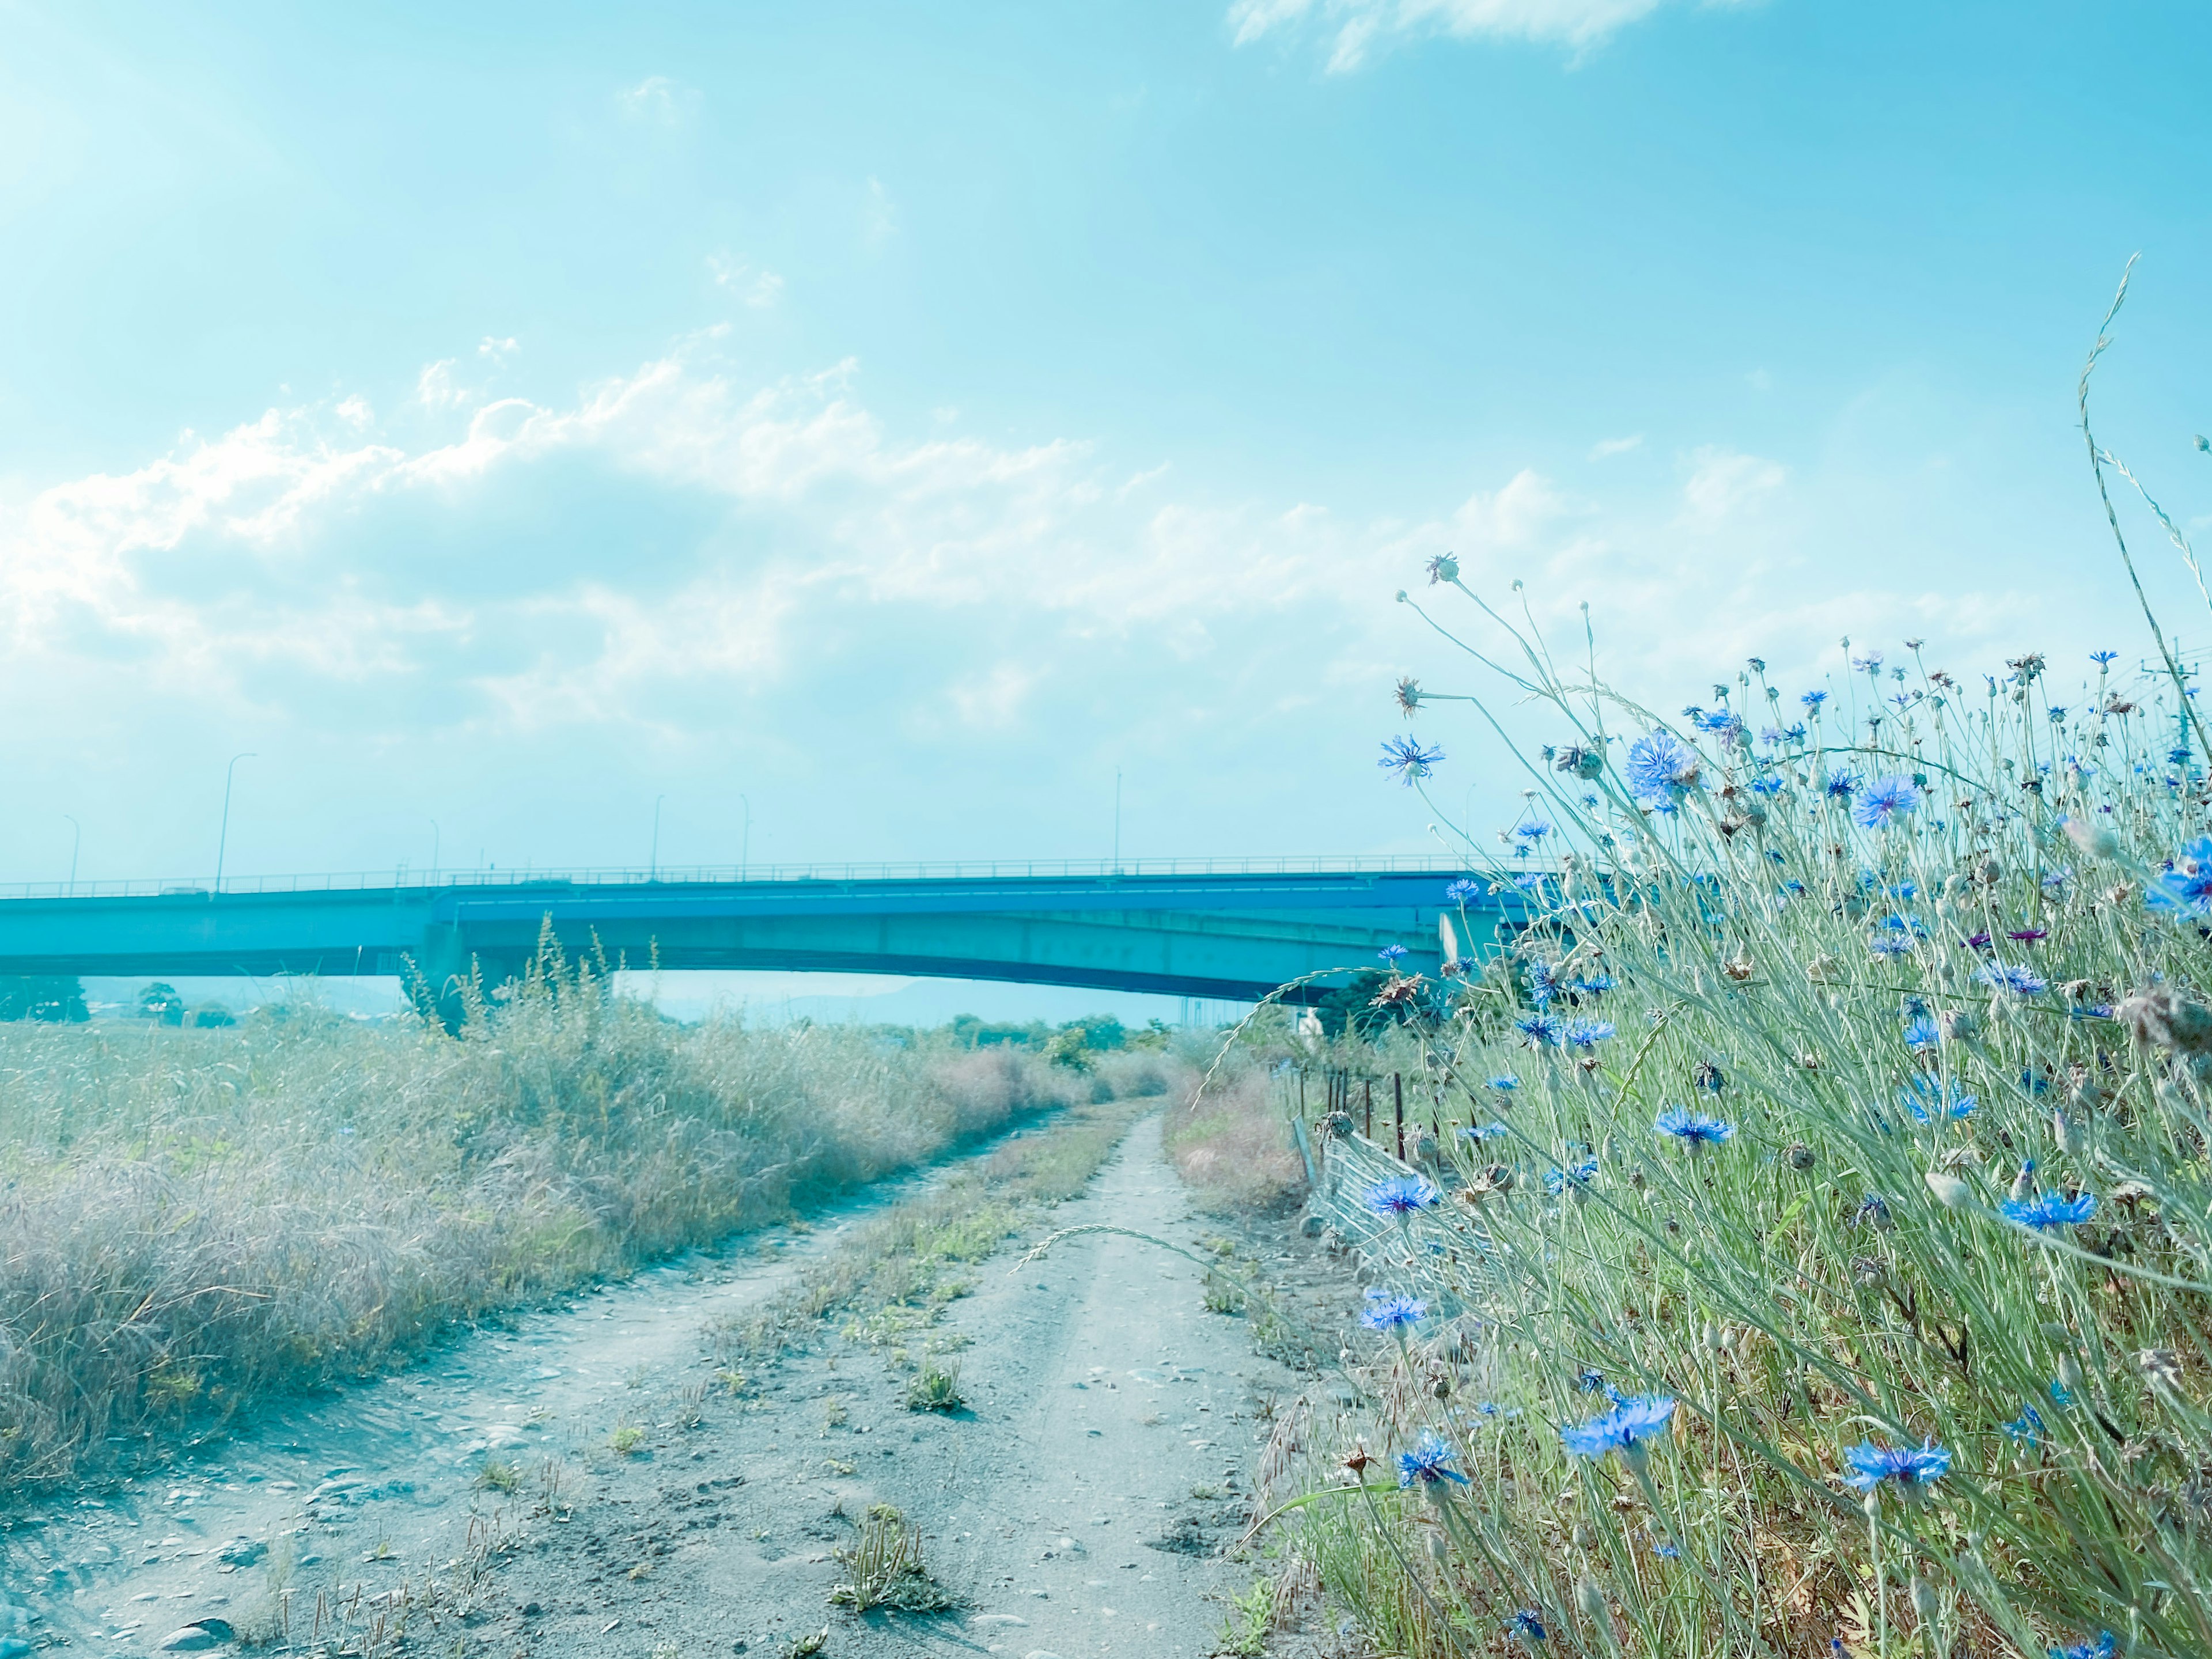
403	878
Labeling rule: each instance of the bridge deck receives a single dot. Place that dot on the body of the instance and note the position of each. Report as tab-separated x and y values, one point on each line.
1226	929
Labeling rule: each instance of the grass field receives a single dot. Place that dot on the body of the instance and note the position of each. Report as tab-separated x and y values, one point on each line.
194	1220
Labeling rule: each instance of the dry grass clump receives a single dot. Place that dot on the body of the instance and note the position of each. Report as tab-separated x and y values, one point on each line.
1236	1148
194	1220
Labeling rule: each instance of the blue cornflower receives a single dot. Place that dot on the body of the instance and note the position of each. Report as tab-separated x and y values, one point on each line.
1587	1034
1921	1034
1538	1029
1543	983
1592	1380
1408	759
1840	785
2061	1395
2048	1212
2099	1649
1813	700
1661	768
1885	801
1903	892
2028	1427
2186	887
2104	658
1767	786
1557	1182
2057	715
1910	1468
1386	1310
1870	664
1429	1462
1624	1429
1527	880
1401	1195
1928	1100
1593	985
1695	1130
1486	1132
1667	1552
1461	891
1390	953
2020	981
2057	880
1535	829
1529	1626
1505	1083
1890	946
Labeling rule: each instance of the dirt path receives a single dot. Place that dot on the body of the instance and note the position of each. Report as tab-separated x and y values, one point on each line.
1075	1508
356	1494
641	1511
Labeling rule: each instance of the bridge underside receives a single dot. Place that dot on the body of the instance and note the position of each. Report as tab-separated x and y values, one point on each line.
1234	937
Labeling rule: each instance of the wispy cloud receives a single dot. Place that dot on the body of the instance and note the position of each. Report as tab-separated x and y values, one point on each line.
757	288
1723	482
658	100
1352	27
1607	447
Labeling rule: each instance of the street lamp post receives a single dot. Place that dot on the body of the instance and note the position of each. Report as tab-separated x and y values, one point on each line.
222	841
76	841
653	864
436	846
745	846
1117	820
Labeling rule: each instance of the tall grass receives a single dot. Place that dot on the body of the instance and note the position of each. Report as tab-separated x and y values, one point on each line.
1841	1113
193	1221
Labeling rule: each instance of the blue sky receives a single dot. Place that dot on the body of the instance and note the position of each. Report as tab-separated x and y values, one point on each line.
903	416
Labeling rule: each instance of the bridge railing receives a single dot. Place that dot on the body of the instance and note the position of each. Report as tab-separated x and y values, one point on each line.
402	878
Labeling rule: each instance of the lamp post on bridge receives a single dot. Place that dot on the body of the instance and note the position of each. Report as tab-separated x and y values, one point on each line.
745	847
436	841
222	841
76	842
653	864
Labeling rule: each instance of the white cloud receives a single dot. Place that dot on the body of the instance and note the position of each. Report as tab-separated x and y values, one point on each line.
1722	481
878	217
685	560
657	100
993	701
497	349
1354	26
1607	447
436	387
757	288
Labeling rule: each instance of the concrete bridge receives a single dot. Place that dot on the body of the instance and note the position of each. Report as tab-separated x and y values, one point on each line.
1231	930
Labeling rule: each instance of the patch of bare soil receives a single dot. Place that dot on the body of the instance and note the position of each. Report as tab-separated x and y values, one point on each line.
1078	1502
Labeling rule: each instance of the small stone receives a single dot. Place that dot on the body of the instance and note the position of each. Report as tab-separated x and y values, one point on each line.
199	1637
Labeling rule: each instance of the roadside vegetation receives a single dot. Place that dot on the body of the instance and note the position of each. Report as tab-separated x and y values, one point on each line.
195	1219
1821	1260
